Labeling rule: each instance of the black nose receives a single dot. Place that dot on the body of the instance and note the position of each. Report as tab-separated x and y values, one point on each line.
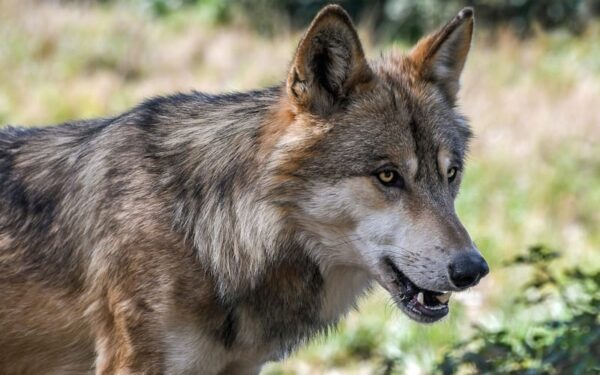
467	269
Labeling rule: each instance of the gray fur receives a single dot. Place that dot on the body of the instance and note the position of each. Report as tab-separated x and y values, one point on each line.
223	220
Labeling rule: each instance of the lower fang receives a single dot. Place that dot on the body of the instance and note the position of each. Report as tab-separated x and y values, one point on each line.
420	298
444	298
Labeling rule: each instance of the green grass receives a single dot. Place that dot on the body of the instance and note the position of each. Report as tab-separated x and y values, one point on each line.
533	174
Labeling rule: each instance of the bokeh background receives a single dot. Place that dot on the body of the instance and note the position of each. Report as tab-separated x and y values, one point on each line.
531	194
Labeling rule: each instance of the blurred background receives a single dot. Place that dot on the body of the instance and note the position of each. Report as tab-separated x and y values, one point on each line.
531	194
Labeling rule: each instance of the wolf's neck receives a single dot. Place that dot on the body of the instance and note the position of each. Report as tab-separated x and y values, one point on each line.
217	181
224	200
227	206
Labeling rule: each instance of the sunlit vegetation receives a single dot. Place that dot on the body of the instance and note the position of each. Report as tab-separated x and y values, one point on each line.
533	176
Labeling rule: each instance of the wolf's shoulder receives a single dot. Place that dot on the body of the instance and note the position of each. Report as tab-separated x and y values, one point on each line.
13	137
196	103
12	132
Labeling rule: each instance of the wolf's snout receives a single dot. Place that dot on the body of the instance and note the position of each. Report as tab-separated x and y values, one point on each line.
467	269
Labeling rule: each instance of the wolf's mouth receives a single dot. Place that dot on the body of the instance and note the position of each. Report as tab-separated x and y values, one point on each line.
419	304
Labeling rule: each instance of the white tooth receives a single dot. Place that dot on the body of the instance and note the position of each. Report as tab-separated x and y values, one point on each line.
444	298
420	297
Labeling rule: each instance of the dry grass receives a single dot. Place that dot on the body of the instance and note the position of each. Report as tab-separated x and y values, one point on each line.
534	174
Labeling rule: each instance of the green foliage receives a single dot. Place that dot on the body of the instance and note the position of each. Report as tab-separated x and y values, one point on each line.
215	11
566	345
406	19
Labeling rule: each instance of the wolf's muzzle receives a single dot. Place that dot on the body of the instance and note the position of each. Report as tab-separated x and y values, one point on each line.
467	268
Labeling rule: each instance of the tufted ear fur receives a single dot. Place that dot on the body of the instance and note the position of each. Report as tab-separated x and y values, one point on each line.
329	63
440	56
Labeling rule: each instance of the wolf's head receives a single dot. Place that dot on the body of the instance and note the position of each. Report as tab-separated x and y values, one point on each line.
374	154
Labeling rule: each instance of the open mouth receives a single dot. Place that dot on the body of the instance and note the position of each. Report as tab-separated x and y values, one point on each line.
421	305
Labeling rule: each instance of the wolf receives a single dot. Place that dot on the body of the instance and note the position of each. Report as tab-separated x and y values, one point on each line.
209	234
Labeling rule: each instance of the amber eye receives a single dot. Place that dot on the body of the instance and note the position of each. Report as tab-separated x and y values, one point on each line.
452	172
389	177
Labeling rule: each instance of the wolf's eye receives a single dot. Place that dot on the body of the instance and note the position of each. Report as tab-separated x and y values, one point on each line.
452	172
389	177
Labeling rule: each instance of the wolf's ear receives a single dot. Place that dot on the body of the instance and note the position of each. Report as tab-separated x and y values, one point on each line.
329	63
440	56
